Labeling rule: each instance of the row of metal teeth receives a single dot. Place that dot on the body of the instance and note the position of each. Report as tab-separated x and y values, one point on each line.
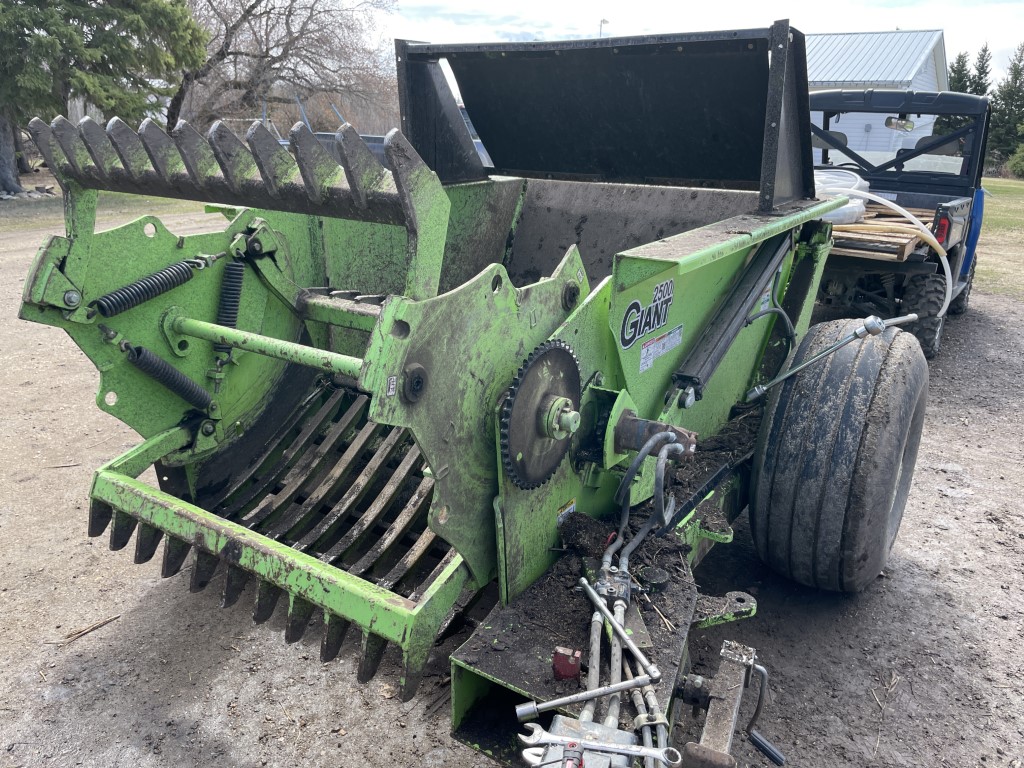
301	613
395	551
221	168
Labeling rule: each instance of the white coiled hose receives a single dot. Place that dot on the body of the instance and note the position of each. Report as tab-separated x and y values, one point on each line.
925	233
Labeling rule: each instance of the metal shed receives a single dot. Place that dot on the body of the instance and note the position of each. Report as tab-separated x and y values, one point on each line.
901	60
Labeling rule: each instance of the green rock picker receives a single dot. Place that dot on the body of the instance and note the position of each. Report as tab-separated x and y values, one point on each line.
529	395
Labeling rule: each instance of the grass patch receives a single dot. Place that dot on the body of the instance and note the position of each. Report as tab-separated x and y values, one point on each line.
1001	247
1004	207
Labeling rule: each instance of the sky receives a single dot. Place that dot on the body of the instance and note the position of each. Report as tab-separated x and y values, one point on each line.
967	26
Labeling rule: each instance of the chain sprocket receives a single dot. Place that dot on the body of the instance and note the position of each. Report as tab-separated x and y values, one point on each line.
529	454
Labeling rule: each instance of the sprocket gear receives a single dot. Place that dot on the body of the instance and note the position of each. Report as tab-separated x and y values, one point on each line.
530	454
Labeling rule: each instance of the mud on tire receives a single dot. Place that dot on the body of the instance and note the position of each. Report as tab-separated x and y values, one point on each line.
835	457
924	294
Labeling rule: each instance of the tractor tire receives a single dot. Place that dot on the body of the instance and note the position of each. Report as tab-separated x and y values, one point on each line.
835	456
960	302
924	294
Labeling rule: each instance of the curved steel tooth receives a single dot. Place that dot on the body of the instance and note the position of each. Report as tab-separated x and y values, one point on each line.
373	648
79	162
42	135
131	151
425	207
100	148
365	174
324	178
100	513
335	629
175	552
275	163
165	157
237	164
200	162
203	568
234	584
121	530
146	542
299	613
266	600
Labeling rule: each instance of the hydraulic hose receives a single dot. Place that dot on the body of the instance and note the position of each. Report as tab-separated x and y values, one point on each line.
658	516
925	234
641	711
593	665
622	494
611	717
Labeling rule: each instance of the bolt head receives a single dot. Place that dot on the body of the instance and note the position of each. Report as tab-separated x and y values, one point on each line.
208	428
72	298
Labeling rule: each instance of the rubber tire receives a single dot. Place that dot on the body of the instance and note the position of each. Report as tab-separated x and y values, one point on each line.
924	294
835	457
961	301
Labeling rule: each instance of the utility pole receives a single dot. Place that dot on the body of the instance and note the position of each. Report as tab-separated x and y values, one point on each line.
600	28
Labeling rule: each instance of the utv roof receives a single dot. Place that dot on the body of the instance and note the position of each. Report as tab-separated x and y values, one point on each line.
908	102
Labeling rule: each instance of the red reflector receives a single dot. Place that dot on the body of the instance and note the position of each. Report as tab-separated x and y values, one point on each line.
943	230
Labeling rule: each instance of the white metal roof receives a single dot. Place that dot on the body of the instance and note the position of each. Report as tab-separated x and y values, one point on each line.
873	58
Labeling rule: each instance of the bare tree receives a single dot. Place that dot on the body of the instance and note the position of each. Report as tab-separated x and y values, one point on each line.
272	51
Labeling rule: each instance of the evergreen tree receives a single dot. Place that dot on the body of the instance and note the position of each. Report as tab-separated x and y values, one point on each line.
981	78
115	55
1008	110
960	74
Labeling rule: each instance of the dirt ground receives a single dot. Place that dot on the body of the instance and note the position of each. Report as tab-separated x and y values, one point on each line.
924	669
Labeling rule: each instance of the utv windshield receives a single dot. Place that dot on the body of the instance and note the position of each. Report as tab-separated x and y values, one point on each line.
879	145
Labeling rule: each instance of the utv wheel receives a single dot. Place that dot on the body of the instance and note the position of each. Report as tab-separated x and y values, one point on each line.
835	456
959	304
924	294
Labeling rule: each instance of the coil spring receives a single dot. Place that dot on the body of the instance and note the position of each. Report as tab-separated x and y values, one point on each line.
164	373
144	289
230	299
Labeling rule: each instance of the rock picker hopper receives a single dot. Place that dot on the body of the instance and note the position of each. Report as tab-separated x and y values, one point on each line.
383	389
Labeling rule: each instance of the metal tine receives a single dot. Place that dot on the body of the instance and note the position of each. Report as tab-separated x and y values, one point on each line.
295	480
373	648
403	566
107	161
165	157
204	565
121	530
299	613
412	676
276	164
345	506
237	164
42	135
364	172
378	508
146	541
175	552
335	629
294	456
335	477
323	177
234	585
414	507
326	184
200	163
129	147
79	161
99	517
312	462
406	166
266	600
